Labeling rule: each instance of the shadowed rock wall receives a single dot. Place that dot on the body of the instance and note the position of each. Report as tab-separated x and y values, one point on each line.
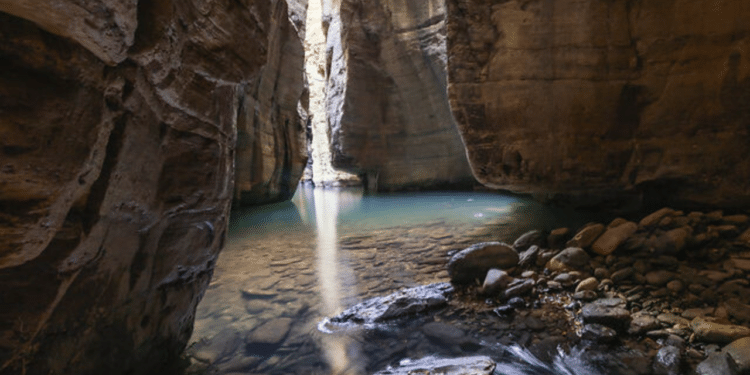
387	102
117	139
595	99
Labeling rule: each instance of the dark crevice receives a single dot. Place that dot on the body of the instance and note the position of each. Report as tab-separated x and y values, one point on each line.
90	214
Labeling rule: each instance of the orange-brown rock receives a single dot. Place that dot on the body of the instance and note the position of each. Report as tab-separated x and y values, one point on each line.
387	104
597	99
117	136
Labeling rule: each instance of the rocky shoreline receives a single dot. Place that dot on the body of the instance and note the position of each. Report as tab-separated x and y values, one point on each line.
665	295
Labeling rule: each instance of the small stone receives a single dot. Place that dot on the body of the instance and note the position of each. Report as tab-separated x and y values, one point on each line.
675	286
736	219
738	353
572	258
601	273
588	284
654	218
585	295
402	303
668	361
643	323
610	312
598	333
496	281
517	302
672	319
612	238
725	231
714	216
622	274
745	237
566	279
741	264
519	289
534	237
717	363
557	237
659	278
708	330
586	236
474	262
616	223
528	257
691	314
737	309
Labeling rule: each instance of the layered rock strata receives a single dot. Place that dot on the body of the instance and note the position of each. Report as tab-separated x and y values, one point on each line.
387	106
117	134
592	99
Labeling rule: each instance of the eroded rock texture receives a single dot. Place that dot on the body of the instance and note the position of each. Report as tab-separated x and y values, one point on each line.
387	103
117	136
596	98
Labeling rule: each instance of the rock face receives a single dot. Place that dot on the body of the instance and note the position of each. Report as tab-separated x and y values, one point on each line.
271	143
586	98
117	138
387	104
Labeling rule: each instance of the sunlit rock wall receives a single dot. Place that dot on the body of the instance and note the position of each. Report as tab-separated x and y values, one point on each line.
117	139
387	102
594	99
271	144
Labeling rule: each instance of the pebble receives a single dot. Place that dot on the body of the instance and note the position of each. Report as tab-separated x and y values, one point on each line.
496	281
528	239
478	365
557	237
668	361
659	278
520	288
622	275
601	273
675	286
643	323
610	312
598	333
655	218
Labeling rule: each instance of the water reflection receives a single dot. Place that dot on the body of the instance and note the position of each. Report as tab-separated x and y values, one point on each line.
332	290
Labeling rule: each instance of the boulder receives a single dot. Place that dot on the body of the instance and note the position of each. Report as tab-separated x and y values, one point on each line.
402	303
716	363
612	238
473	262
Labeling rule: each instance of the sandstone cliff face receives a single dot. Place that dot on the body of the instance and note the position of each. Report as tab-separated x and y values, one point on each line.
593	98
117	136
387	102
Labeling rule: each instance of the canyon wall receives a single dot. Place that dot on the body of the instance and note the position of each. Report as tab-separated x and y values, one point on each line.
118	124
387	103
595	100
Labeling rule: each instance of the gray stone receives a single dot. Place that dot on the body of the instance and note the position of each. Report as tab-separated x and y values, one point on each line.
717	363
668	361
478	365
518	289
444	333
598	333
496	281
610	312
706	329
473	262
572	258
402	303
271	332
528	256
643	323
659	278
586	236
585	295
738	353
612	238
672	319
528	239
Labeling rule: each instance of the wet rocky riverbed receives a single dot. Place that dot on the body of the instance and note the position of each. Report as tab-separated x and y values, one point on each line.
669	298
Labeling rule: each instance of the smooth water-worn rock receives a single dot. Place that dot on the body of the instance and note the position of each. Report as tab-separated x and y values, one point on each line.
117	140
570	259
716	363
402	303
610	312
495	281
586	100
612	238
473	262
479	365
586	236
708	330
738	353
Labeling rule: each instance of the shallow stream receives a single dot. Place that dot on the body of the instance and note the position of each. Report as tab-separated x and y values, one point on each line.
289	265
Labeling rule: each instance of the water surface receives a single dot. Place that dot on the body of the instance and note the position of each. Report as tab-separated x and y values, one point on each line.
289	265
